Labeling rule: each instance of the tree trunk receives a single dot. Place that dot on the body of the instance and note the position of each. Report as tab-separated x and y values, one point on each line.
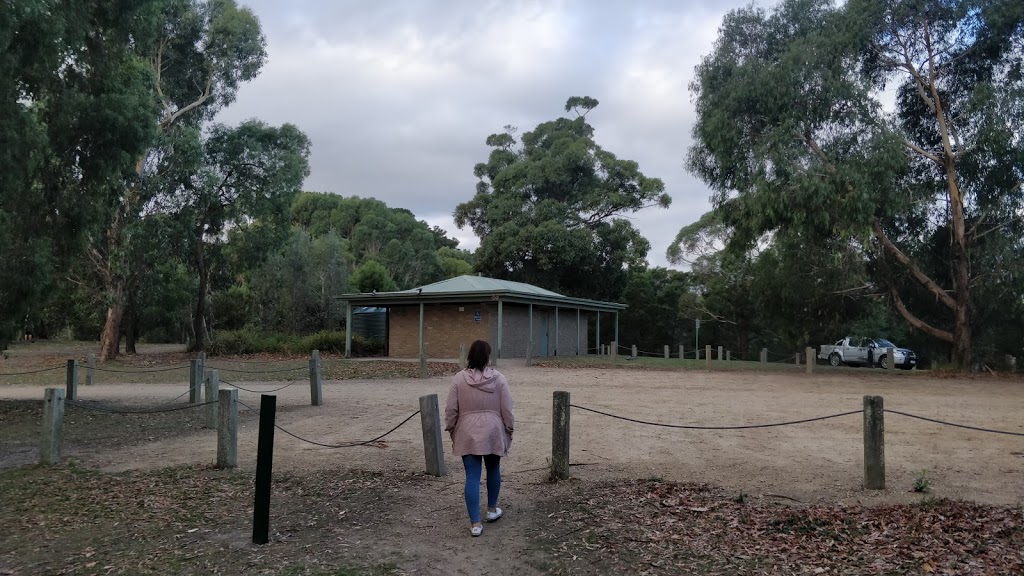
132	327
742	339
199	321
110	338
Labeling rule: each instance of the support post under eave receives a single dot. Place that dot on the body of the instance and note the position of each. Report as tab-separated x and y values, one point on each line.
348	329
421	329
577	331
500	322
598	343
556	330
616	328
530	352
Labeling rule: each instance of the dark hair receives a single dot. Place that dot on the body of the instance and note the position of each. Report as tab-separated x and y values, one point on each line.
479	355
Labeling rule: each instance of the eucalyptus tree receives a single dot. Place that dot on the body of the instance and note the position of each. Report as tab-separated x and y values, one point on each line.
794	133
549	208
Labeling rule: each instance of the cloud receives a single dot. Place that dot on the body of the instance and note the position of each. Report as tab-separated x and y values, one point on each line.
398	97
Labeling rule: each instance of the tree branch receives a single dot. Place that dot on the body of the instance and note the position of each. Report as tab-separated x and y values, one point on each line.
207	92
922	152
916	322
996	227
915	271
158	66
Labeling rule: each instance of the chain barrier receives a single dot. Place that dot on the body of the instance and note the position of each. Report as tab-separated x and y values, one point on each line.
944	423
743	427
31	371
344	445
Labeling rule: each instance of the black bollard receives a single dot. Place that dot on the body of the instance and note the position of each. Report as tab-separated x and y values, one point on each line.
264	463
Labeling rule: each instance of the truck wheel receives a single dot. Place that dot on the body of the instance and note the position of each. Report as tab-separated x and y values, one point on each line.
835	360
884	362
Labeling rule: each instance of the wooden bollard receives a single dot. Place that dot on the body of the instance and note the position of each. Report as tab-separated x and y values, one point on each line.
198	370
560	437
666	351
891	355
52	442
874	443
707	356
614	351
796	359
316	390
728	355
71	382
212	387
632	350
227	428
462	357
720	353
682	352
809	352
90	369
264	466
764	355
433	445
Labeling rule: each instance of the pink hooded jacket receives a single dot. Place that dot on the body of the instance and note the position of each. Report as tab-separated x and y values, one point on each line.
479	413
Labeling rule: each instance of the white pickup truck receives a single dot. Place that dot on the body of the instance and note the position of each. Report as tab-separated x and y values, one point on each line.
867	352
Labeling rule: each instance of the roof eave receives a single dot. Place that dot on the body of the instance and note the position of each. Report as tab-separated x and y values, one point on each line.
405	297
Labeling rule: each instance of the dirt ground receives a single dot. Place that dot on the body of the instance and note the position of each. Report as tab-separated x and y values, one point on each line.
817	462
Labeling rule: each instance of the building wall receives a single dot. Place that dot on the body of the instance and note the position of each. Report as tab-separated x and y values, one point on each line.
446	326
449	325
516	328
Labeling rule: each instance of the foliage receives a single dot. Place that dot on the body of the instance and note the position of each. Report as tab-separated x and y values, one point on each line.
73	99
249	173
295	290
922	483
548	208
841	168
654	317
251	341
371	276
455	262
413	253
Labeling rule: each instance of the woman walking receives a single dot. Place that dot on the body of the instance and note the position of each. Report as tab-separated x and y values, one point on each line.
479	418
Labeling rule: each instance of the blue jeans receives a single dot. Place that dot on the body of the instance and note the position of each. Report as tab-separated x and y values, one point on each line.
472	464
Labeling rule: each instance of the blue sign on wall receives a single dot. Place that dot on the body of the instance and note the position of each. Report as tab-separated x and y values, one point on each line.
476	316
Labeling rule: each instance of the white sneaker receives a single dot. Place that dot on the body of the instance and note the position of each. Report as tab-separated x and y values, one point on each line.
492	516
476	530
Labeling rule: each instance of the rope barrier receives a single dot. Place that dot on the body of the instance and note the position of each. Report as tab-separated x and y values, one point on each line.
345	445
265	361
934	421
243	371
292	383
167	369
144	411
743	427
31	371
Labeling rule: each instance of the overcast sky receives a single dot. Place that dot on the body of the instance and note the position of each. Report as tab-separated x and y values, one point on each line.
399	95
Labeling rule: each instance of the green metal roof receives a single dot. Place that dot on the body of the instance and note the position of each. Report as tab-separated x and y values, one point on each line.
468	287
482	284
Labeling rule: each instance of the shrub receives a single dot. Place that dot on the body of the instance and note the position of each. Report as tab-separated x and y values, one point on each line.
251	341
